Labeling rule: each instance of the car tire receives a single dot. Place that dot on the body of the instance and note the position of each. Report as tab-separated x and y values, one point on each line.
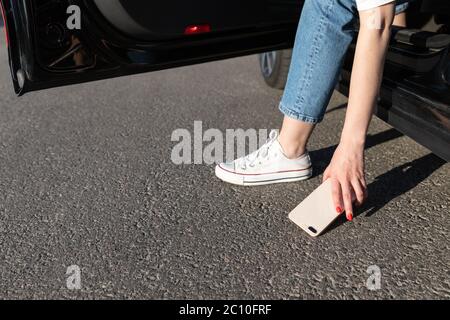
274	66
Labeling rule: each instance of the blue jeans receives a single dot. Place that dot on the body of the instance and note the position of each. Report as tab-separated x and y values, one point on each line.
325	31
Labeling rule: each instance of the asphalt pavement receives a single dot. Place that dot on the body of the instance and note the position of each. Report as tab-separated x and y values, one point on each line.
86	179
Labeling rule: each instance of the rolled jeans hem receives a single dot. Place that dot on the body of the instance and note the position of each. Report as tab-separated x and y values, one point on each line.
298	116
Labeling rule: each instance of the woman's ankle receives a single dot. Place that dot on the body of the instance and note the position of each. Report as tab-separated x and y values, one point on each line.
292	149
294	136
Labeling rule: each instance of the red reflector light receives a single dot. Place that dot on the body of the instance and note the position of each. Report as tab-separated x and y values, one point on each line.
4	23
198	28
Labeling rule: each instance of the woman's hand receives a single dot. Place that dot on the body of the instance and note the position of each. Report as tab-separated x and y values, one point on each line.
346	171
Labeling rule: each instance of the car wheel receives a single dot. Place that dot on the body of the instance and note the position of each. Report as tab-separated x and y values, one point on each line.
274	67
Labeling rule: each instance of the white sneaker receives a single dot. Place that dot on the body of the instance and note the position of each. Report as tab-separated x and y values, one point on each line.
265	166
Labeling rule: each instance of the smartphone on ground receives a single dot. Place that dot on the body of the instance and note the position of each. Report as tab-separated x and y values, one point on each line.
316	212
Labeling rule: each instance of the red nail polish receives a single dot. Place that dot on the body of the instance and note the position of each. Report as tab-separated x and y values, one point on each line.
339	209
350	217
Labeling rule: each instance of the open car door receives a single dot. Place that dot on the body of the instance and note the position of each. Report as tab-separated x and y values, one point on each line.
60	42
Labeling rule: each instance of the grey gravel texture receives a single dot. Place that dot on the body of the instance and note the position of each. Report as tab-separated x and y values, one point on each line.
86	179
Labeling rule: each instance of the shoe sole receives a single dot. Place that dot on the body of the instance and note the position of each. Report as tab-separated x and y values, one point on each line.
263	179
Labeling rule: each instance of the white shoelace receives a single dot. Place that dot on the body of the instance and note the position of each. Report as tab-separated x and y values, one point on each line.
260	154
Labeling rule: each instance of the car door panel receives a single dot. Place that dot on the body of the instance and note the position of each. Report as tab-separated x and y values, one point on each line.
45	53
149	20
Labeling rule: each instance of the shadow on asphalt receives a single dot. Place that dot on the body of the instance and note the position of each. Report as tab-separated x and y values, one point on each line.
394	183
398	181
321	158
342	106
387	186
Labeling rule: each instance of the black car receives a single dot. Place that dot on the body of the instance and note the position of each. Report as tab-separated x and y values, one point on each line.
60	42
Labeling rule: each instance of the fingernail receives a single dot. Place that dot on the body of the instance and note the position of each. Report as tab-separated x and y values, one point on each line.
350	216
339	209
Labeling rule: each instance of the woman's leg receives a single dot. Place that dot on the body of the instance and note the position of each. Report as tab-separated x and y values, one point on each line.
325	31
324	34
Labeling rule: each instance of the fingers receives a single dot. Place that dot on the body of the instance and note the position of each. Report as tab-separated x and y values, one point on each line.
364	186
347	198
347	191
359	192
337	195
